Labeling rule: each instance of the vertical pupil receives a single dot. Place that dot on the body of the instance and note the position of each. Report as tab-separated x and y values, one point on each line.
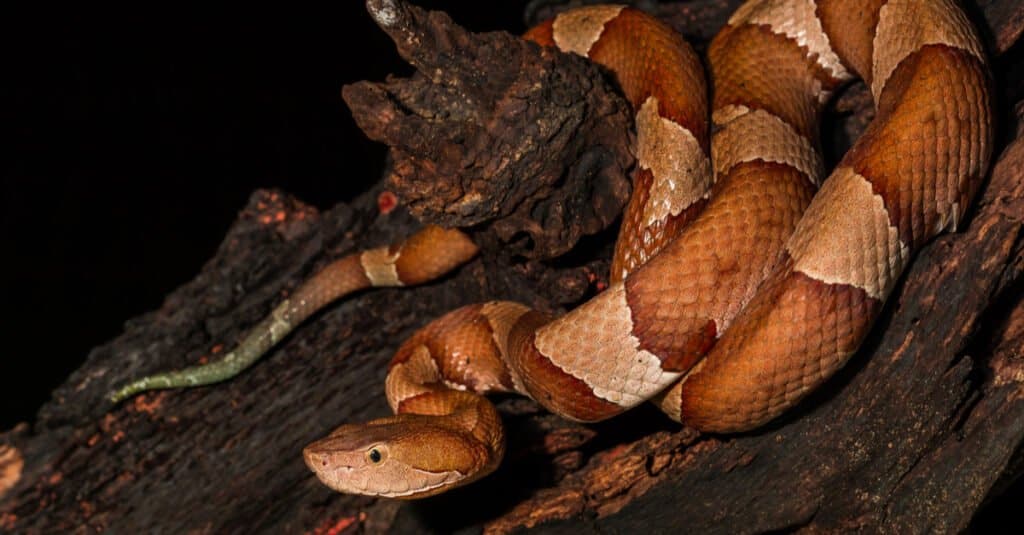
375	455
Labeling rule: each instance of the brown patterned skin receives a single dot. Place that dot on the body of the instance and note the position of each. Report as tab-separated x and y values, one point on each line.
850	27
658	64
908	178
654	62
754	209
731	319
763	186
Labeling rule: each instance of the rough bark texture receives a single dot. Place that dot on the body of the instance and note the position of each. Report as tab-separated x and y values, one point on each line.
513	149
924	425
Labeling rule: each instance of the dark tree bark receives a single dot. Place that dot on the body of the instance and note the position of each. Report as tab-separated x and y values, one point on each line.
514	151
922	427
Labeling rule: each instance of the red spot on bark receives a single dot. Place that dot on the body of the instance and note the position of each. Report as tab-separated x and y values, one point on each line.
107	423
601	286
617	451
386	202
339	526
55	478
217	349
149	407
11	465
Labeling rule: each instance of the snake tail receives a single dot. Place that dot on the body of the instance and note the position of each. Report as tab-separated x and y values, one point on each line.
424	256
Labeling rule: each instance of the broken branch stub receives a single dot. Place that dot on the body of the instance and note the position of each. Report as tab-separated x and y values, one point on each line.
498	134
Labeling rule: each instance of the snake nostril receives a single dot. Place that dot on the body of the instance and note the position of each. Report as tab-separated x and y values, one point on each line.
315	459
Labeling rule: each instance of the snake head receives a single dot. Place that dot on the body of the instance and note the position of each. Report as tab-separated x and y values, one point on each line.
407	456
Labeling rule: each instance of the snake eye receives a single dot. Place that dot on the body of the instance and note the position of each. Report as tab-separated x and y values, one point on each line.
374	455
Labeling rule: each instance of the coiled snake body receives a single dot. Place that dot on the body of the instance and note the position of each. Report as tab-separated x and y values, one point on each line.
737	286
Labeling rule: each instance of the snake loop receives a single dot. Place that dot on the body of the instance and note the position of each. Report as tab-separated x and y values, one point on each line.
736	287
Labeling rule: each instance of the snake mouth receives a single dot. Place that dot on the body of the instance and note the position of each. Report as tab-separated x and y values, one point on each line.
330	460
331	467
319	460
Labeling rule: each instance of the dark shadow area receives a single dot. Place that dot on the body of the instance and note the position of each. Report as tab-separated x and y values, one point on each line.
136	138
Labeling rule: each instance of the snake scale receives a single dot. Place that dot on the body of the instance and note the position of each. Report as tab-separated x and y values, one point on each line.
742	277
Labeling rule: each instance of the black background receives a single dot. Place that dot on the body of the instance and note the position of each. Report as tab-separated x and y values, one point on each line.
136	136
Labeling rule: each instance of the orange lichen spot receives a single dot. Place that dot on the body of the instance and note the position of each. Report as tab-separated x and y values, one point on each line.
11	464
335	528
217	349
148	403
115	486
55	478
386	202
93	440
616	452
118	437
107	423
277	217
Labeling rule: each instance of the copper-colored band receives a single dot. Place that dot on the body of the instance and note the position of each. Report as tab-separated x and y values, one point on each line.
935	22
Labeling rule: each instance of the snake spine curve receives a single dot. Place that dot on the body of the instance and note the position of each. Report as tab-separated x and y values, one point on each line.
742	279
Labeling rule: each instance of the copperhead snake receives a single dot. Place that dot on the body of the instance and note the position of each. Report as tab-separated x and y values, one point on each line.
742	277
